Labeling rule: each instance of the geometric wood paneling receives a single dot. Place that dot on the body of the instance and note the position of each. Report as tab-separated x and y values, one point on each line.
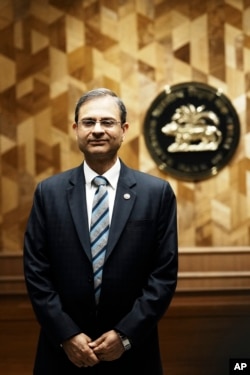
51	51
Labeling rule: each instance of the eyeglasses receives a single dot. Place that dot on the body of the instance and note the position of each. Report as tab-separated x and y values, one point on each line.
105	123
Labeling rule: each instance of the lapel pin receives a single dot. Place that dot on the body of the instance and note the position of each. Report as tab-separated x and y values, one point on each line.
126	196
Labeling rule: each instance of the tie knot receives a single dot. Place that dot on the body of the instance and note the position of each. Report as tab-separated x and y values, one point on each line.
100	180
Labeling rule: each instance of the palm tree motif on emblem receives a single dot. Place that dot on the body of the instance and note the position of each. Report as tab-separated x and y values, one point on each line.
194	129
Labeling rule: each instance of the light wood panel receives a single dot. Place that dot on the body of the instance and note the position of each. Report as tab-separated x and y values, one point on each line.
51	51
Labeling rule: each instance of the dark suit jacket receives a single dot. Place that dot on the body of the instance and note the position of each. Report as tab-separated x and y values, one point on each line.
139	277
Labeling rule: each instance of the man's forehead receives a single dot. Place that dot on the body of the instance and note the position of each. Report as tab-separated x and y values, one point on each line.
100	103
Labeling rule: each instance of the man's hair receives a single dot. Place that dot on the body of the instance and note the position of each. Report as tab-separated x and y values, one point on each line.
97	93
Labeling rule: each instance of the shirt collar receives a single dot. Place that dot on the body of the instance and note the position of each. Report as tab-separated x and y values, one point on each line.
111	175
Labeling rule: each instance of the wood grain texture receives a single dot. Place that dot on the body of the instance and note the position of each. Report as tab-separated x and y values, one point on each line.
52	51
198	335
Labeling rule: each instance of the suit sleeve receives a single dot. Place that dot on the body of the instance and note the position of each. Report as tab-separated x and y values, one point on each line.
162	280
37	270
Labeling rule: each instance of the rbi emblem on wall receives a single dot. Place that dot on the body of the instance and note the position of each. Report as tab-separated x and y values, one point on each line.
191	130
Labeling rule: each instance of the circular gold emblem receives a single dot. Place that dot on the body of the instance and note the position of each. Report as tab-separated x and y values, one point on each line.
191	130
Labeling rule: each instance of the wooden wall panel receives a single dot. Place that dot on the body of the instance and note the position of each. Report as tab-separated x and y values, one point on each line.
198	335
51	51
200	270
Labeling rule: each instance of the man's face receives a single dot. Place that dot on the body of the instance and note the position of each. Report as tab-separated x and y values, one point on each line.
94	139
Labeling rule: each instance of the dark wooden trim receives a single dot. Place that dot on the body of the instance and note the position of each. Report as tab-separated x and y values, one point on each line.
200	269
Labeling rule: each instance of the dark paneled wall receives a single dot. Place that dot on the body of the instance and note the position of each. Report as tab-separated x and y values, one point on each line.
198	335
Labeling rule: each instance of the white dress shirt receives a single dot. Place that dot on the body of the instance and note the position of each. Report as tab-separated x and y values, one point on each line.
112	175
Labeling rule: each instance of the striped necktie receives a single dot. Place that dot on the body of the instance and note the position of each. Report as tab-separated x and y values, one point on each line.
99	230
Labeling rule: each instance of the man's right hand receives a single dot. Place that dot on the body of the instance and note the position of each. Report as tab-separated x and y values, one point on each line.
79	352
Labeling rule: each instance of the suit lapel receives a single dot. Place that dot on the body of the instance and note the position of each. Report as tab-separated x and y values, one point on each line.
77	202
124	202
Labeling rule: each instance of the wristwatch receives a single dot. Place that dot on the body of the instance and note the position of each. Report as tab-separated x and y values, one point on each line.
125	341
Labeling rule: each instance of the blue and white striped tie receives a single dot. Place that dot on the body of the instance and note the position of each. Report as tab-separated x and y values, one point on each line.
99	231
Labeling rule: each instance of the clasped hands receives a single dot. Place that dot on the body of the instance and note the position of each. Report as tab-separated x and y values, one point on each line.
84	352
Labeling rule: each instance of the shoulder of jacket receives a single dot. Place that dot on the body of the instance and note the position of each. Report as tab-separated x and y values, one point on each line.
62	176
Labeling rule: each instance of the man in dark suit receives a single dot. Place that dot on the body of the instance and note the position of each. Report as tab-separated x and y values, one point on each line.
118	332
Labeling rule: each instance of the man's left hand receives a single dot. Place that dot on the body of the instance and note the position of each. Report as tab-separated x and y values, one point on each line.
108	347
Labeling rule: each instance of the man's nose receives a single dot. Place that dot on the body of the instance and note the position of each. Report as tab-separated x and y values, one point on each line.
98	128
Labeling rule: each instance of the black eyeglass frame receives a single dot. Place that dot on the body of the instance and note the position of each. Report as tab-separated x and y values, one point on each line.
105	122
